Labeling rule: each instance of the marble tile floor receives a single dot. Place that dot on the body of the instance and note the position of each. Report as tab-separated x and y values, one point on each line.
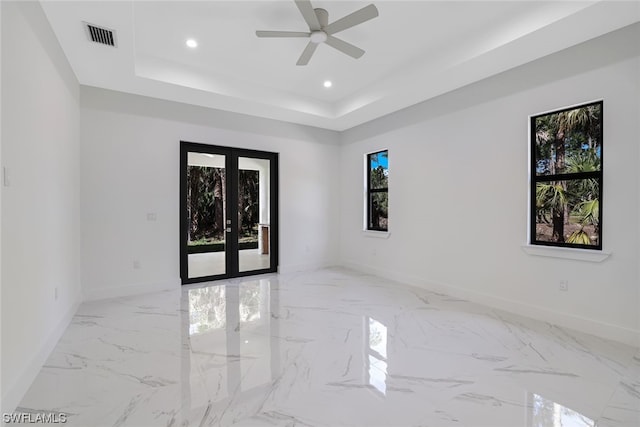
328	348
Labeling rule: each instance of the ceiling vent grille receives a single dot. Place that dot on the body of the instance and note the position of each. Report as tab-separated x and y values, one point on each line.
100	34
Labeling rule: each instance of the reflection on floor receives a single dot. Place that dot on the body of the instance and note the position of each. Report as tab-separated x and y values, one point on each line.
212	263
329	348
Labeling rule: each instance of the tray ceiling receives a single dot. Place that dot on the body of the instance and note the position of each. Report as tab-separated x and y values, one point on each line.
415	50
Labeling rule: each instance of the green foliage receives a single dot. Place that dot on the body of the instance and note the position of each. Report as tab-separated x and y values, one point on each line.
579	237
205	203
585	160
204	242
586	213
248	202
205	193
378	178
569	135
550	196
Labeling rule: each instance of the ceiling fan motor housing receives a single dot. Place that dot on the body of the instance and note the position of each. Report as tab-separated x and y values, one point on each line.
318	37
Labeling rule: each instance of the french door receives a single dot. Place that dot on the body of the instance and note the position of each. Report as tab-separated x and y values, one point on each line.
228	212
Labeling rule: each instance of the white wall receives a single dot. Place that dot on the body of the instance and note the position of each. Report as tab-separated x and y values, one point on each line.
40	208
459	187
130	167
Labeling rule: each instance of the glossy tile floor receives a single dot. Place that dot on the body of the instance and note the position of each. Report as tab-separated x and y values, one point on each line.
329	348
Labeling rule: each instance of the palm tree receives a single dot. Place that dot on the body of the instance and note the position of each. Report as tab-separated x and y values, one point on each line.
585	213
550	198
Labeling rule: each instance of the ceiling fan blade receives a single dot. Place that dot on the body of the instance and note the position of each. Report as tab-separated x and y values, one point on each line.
355	18
307	53
308	14
344	47
281	34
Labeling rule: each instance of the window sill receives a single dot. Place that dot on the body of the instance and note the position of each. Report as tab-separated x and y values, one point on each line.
376	234
566	253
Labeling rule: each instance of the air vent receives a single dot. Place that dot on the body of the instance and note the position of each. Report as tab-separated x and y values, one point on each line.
100	34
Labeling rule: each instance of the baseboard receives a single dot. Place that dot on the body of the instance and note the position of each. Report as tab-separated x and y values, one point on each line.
601	329
129	290
12	395
296	268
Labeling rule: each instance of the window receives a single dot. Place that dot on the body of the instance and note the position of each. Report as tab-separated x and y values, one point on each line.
378	191
566	177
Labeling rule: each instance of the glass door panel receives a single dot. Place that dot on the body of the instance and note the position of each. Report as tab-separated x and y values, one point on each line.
206	214
254	211
228	212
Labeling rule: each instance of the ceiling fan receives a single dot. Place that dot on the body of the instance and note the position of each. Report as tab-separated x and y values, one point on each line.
320	31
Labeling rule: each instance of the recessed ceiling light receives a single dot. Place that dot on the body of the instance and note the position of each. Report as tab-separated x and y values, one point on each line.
327	83
192	43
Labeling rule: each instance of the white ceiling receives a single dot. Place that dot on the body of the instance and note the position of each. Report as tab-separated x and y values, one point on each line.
415	50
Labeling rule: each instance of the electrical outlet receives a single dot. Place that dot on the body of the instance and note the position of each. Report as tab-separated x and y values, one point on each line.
136	264
564	285
152	216
55	293
6	178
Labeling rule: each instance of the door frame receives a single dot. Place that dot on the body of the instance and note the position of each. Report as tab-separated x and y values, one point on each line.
232	154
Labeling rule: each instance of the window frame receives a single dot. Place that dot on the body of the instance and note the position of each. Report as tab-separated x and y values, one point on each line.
370	191
534	178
